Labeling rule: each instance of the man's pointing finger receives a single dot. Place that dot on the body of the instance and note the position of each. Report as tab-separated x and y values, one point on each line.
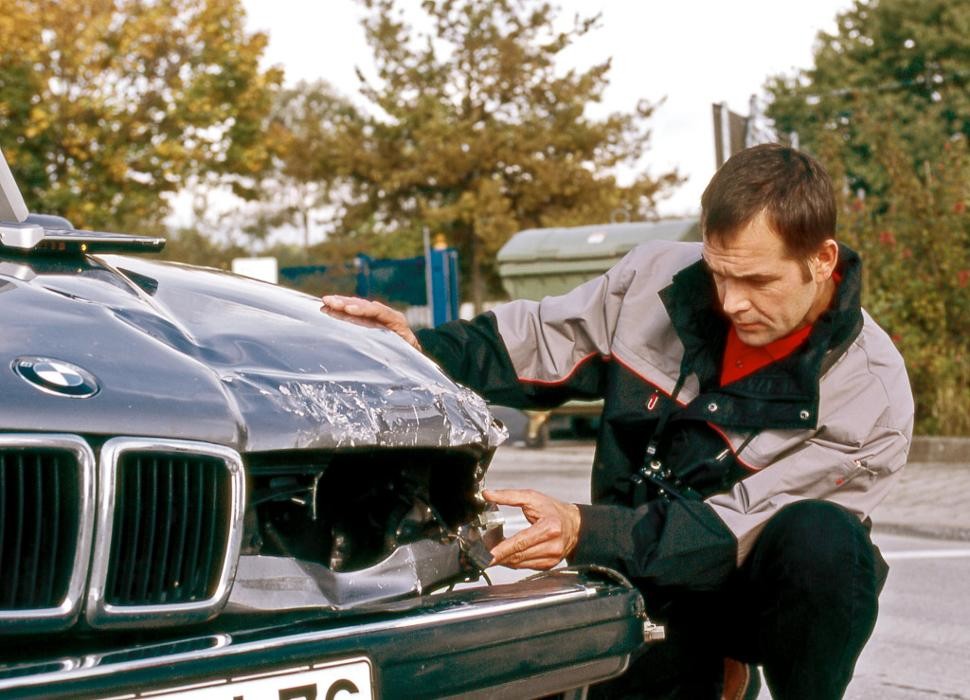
511	497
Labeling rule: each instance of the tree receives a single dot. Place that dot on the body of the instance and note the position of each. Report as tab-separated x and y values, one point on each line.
106	105
915	242
474	133
902	61
309	154
886	108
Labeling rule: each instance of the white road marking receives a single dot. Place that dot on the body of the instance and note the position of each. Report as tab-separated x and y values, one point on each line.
926	554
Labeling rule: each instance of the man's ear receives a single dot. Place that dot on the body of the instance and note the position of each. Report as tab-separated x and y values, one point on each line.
825	260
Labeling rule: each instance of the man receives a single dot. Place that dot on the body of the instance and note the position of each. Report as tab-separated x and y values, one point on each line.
753	416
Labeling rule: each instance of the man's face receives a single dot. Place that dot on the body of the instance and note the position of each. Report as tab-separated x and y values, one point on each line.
764	292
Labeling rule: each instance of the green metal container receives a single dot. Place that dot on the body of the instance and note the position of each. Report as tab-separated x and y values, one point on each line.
545	261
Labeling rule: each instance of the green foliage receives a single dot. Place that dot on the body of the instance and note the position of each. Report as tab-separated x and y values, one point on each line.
107	104
886	107
903	60
915	243
309	151
474	133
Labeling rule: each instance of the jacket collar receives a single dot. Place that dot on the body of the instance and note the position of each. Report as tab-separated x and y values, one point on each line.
781	395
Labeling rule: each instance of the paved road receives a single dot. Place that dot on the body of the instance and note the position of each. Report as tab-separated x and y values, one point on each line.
921	645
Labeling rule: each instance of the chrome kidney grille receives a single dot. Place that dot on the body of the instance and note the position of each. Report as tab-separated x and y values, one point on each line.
38	534
169	529
157	546
46	518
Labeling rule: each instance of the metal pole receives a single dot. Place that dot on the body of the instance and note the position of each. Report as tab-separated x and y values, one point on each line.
428	275
725	133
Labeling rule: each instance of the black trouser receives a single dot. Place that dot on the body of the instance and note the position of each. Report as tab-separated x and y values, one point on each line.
802	606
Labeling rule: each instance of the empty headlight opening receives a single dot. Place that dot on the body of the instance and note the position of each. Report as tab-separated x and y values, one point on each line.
349	510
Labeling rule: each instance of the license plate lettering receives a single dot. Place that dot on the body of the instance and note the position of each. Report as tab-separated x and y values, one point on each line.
344	680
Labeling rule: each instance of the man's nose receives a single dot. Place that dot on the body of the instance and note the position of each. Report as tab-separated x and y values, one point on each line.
734	300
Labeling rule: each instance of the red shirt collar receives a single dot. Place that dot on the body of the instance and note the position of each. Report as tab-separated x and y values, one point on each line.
740	359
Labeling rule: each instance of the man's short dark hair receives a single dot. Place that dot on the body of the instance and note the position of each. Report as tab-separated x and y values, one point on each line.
791	187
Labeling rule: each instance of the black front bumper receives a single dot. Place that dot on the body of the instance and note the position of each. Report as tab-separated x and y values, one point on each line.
539	636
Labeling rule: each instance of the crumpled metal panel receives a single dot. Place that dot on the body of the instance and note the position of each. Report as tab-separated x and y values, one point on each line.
369	411
202	354
282	583
267	583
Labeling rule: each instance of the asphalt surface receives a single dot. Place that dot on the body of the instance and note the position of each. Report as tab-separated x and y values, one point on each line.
921	645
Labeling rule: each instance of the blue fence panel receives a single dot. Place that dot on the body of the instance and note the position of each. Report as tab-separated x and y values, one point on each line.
400	280
396	281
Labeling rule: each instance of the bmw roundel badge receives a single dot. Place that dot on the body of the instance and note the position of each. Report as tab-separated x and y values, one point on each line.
56	377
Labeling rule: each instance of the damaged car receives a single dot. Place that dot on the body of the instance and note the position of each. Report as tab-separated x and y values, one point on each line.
210	489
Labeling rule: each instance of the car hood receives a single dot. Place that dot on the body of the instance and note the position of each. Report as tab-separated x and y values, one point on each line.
202	354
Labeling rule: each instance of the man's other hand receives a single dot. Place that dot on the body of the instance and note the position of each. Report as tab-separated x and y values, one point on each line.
375	311
551	537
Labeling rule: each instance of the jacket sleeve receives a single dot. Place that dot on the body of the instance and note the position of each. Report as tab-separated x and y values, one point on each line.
697	544
852	459
535	354
857	479
670	543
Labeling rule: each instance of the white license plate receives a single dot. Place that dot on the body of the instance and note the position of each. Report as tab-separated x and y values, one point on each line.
342	680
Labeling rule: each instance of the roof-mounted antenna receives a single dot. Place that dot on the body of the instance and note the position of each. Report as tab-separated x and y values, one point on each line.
12	206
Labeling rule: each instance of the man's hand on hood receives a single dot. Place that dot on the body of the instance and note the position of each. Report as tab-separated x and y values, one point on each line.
375	311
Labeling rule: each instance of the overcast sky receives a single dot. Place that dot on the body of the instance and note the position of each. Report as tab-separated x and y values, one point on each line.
693	52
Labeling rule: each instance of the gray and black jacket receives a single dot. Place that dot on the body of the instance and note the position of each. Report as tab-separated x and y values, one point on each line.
686	471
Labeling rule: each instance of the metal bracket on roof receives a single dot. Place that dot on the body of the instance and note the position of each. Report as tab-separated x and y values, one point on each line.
24	236
12	206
